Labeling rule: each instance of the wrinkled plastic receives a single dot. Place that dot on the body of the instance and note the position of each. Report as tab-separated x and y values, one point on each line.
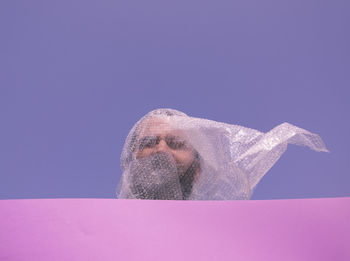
169	155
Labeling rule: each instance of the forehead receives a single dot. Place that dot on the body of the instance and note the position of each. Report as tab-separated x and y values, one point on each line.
159	126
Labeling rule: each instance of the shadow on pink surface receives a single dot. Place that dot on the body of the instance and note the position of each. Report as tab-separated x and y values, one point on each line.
110	229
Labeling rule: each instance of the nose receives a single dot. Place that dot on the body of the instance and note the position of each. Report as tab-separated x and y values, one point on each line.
162	146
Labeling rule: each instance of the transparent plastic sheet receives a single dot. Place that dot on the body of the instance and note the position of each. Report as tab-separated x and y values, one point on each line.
171	156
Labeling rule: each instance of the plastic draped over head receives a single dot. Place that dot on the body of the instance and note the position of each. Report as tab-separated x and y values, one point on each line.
169	155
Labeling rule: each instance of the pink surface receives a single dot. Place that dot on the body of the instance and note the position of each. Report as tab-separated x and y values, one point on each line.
110	229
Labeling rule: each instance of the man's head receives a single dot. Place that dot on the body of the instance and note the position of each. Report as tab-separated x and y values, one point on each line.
158	136
156	145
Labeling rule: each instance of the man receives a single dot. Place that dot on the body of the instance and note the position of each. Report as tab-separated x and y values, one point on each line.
164	164
169	155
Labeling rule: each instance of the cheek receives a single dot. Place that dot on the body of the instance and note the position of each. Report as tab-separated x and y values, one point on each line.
183	158
144	153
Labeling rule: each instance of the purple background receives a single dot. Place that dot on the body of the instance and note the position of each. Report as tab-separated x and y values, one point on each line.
76	75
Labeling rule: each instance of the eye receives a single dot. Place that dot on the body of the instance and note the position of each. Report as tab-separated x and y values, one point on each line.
148	142
176	143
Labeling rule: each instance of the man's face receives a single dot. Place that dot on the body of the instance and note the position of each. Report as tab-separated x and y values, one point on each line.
157	136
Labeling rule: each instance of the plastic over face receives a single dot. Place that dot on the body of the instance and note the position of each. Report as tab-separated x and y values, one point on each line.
170	155
158	135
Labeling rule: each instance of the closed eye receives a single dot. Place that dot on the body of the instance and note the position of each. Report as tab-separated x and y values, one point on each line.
148	142
176	142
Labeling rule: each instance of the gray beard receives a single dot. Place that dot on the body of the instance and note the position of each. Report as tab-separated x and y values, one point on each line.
157	177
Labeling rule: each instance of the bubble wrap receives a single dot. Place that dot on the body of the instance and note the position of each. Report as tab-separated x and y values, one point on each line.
169	155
